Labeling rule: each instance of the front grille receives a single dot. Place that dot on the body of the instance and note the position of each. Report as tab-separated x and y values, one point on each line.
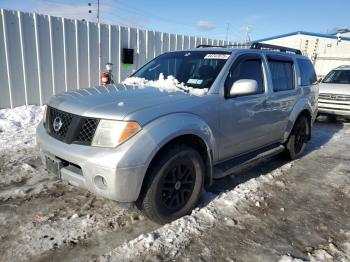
70	128
65	118
335	97
87	131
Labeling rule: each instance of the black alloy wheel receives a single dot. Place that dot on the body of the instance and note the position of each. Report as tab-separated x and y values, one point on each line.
298	138
178	184
173	184
301	136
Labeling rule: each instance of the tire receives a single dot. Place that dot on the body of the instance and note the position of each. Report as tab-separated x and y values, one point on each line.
297	141
173	184
332	118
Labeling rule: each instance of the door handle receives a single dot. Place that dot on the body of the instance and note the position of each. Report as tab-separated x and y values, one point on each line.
265	102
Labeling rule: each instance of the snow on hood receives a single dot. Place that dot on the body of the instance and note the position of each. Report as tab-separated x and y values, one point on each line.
169	84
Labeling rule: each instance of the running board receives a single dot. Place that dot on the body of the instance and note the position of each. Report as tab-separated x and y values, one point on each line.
241	162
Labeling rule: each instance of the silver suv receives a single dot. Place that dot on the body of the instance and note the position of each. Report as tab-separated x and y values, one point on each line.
181	121
334	96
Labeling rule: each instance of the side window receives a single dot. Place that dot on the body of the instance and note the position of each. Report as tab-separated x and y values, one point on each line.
282	74
246	69
307	72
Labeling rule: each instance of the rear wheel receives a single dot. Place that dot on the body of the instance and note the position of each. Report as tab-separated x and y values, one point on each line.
173	186
297	141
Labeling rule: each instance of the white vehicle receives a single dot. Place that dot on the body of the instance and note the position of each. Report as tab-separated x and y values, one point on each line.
334	98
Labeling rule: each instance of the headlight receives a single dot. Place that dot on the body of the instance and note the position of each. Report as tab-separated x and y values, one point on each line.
111	133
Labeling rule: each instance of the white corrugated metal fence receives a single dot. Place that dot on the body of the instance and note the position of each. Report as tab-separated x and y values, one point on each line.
42	55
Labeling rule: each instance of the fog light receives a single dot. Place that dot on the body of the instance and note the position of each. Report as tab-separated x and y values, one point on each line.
100	182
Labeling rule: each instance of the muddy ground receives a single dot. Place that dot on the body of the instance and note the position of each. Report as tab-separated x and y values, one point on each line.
43	219
302	214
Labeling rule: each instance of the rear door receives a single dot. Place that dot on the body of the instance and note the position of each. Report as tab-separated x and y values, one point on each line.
283	93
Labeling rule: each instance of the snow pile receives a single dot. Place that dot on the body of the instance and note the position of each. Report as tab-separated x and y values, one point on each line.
169	84
22	173
17	126
174	237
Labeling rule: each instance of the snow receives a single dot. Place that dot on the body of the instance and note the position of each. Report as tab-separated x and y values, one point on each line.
20	163
169	84
17	126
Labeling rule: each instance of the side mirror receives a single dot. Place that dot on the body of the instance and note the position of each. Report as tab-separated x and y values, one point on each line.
319	80
244	87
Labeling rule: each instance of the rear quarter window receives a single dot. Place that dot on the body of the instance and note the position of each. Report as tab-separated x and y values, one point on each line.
307	72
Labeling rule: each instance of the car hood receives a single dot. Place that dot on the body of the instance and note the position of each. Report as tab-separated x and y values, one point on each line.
114	101
330	88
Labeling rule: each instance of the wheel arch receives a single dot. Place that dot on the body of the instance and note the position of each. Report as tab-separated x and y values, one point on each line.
197	143
302	107
183	128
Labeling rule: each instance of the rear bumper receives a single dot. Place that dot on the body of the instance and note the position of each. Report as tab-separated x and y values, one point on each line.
122	183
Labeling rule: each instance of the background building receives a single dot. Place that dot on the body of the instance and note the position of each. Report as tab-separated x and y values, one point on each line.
326	51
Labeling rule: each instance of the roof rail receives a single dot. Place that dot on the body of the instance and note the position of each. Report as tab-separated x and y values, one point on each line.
238	45
223	46
258	45
203	46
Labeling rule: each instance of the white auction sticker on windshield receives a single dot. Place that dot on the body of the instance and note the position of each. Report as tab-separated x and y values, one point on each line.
217	56
194	81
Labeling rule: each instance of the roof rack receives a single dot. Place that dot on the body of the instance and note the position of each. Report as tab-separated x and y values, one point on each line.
223	46
258	45
203	46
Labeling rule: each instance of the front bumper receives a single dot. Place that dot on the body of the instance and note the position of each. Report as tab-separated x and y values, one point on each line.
122	175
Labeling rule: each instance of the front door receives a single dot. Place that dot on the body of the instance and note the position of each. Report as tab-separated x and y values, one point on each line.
245	121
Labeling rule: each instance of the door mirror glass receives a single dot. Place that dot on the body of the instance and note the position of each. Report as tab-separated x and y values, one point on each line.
244	87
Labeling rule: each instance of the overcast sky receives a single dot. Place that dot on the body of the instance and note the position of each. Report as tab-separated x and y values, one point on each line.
203	18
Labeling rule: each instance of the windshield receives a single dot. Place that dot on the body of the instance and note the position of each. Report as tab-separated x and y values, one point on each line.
197	69
338	77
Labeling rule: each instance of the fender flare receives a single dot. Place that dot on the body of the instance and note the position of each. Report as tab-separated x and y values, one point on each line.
300	106
169	127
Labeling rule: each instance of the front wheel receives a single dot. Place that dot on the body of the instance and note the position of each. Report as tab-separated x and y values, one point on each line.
299	136
173	184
